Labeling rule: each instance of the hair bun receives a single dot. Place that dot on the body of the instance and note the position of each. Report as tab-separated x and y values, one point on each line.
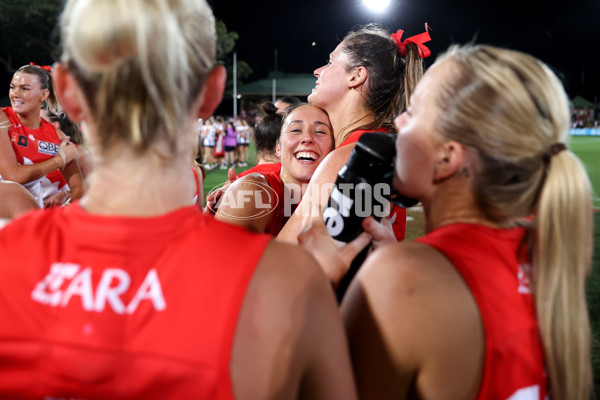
269	108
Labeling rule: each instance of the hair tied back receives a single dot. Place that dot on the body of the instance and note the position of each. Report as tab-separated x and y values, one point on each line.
417	40
45	67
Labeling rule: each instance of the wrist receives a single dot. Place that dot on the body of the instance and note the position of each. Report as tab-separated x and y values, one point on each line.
57	162
61	154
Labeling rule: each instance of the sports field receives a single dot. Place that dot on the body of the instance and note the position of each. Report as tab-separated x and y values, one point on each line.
588	150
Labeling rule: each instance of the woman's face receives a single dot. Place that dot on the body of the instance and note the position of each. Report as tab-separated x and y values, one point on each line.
26	94
417	143
306	138
331	82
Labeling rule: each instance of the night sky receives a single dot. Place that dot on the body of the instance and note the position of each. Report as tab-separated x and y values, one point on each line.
565	36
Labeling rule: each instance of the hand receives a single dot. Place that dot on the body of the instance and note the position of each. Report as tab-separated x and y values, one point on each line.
381	232
333	257
70	151
214	197
57	199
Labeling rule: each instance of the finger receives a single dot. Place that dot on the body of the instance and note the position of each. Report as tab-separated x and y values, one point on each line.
387	223
377	230
210	197
231	176
351	250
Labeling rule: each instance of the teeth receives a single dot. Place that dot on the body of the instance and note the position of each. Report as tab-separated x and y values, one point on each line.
306	155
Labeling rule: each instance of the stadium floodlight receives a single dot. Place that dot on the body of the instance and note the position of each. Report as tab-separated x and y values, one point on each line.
376	6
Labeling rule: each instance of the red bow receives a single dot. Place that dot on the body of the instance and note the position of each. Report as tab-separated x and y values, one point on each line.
418	40
46	67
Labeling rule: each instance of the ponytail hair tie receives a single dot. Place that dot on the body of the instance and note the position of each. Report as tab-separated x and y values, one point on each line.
553	150
45	67
417	40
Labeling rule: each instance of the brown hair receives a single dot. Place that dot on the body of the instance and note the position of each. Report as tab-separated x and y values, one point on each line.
392	78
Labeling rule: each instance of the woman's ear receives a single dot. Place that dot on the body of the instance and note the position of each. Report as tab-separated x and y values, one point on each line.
450	158
68	93
278	149
212	92
358	76
45	94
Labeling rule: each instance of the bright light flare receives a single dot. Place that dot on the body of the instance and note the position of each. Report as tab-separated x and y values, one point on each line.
376	5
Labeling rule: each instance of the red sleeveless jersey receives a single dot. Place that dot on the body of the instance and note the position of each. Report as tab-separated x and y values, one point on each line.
32	146
100	307
262	168
488	261
279	214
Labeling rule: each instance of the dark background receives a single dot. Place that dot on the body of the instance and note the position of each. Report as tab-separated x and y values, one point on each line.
564	35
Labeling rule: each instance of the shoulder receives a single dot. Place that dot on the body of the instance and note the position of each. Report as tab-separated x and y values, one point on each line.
328	169
5	113
409	305
290	322
253	184
288	279
405	267
414	282
248	202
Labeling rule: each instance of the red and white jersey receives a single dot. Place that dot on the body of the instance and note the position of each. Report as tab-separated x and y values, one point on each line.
103	307
32	146
488	261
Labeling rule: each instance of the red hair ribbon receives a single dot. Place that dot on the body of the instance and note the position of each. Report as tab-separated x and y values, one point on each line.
418	40
46	67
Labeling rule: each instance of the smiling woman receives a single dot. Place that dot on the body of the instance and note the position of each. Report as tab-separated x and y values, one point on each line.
30	147
262	202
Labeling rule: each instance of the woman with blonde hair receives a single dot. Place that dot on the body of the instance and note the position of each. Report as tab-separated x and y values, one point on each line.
132	292
490	303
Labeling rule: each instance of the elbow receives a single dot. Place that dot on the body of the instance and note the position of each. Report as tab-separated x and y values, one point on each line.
15	177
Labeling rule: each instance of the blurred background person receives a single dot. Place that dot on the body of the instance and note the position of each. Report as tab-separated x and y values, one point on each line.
266	135
284	102
61	195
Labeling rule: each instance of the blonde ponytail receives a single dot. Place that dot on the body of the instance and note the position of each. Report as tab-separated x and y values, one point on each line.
562	253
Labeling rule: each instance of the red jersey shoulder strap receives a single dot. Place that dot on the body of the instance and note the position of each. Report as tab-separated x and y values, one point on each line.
354	136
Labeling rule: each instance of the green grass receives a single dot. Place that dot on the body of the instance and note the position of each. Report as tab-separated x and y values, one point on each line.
587	148
217	176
